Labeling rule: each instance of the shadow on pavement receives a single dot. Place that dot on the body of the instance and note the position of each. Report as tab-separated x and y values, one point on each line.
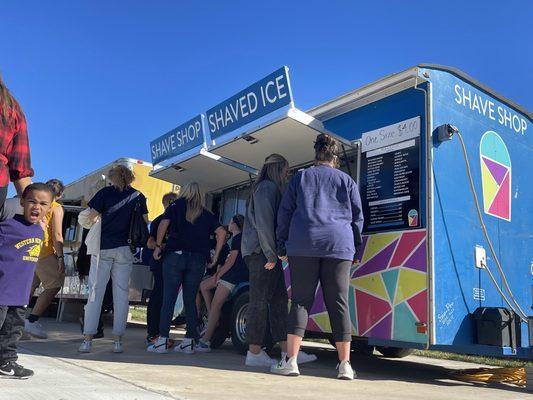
64	339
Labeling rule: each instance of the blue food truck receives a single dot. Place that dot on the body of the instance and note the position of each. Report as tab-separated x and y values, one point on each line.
443	166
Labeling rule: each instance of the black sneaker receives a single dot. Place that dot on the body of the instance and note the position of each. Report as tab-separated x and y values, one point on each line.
14	371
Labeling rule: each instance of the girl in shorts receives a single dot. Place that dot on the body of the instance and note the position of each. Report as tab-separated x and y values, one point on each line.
233	272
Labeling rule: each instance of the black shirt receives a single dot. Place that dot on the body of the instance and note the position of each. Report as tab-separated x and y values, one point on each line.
115	224
193	238
238	272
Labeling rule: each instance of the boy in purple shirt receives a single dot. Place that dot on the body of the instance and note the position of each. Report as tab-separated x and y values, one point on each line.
21	238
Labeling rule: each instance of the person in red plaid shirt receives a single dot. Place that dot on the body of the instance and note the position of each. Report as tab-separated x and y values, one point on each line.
15	163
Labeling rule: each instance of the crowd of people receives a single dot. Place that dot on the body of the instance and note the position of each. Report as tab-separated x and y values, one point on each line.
313	221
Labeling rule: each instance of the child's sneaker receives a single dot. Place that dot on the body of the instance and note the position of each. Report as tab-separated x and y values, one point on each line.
14	371
203	347
159	346
35	329
345	371
286	367
259	360
186	346
86	346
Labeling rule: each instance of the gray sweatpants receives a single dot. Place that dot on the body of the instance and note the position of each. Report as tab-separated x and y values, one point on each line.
118	264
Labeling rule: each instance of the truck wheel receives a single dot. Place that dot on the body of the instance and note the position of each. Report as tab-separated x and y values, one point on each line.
238	325
394	352
238	322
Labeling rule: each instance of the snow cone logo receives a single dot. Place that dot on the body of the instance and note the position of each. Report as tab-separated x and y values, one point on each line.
495	175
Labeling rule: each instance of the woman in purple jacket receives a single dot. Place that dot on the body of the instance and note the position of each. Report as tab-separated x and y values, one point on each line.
319	226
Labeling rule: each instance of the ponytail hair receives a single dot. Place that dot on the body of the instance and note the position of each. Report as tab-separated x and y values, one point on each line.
273	170
121	177
193	196
326	149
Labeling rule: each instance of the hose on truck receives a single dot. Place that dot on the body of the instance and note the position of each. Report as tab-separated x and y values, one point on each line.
522	315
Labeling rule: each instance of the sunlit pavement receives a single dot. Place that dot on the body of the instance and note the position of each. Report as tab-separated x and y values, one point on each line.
62	373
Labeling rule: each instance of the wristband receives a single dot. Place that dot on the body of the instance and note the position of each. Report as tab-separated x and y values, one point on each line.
60	257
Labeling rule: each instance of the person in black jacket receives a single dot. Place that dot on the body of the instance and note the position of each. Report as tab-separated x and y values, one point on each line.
156	296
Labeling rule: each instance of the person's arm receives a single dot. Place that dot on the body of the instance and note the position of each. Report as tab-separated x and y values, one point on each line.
357	218
151	243
161	232
230	261
220	235
21	184
265	218
285	213
57	236
19	161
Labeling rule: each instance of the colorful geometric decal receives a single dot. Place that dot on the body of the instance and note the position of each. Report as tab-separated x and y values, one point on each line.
388	289
495	175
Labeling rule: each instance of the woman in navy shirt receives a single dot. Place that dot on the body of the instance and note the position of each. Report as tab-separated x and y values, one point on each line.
190	226
319	226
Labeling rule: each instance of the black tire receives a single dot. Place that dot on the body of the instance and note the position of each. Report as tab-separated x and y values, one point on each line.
358	346
238	325
362	347
394	352
224	327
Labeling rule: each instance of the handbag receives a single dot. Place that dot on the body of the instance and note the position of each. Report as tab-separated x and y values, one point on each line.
138	231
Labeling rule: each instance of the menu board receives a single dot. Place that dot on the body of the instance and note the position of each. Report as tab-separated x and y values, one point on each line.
390	177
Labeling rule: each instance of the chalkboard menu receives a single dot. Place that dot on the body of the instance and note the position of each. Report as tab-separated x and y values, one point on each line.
390	177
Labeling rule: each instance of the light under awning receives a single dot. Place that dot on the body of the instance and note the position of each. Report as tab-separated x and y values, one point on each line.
292	135
212	175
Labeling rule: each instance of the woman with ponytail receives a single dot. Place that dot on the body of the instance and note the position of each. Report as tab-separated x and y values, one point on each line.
15	163
114	206
268	293
189	226
319	227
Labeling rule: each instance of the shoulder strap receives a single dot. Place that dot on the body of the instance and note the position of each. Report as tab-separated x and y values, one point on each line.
122	203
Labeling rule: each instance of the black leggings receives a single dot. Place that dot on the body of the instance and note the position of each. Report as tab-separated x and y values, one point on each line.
334	277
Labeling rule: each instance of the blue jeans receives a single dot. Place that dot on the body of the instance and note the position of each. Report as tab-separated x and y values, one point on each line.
186	269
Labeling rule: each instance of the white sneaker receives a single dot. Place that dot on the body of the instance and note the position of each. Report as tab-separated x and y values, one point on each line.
259	360
117	347
186	346
303	357
35	329
345	371
159	346
86	346
286	367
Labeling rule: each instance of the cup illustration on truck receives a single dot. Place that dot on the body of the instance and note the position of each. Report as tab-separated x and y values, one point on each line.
495	176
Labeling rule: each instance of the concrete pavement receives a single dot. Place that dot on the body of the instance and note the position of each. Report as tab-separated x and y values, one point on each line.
62	373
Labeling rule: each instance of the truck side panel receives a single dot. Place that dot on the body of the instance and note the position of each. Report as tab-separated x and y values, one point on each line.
499	147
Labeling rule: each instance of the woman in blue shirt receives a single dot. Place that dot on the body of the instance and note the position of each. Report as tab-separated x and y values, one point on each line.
187	249
319	226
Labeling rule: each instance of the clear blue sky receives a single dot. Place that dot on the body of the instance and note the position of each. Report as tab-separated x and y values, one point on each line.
99	79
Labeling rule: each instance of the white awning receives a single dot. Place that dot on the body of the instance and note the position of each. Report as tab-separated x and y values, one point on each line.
212	175
292	135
